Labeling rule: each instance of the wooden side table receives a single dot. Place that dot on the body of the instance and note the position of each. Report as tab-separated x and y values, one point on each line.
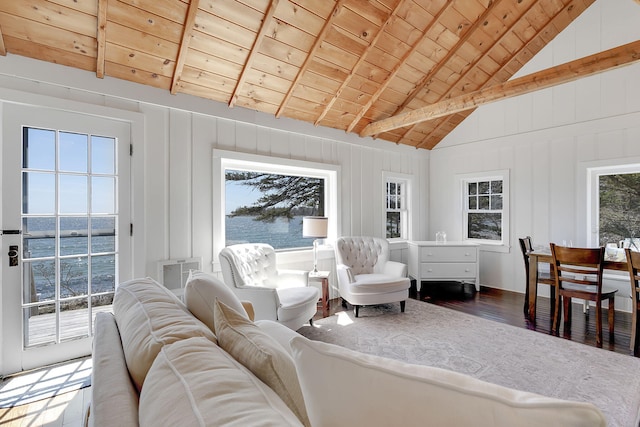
322	276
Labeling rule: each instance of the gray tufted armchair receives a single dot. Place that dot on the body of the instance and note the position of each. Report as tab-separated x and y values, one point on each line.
366	276
249	269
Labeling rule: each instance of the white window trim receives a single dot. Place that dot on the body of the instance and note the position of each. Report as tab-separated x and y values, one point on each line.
592	172
408	181
223	159
487	245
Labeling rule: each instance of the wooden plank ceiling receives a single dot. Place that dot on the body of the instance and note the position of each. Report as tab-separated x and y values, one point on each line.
339	63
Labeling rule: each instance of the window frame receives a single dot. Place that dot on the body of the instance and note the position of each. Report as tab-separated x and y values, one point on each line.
463	182
406	212
593	173
223	160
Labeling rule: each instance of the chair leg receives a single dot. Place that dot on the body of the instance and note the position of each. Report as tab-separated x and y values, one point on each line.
598	323
356	310
612	318
635	341
552	298
567	315
402	305
555	326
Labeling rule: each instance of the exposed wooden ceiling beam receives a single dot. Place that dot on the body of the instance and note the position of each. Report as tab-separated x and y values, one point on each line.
524	48
316	45
360	60
424	81
571	71
101	37
189	24
397	67
266	21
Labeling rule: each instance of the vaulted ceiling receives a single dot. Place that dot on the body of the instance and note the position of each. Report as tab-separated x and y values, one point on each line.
344	64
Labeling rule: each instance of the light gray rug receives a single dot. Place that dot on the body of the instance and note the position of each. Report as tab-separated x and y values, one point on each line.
502	354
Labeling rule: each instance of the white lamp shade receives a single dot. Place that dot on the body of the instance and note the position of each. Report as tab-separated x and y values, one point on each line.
315	226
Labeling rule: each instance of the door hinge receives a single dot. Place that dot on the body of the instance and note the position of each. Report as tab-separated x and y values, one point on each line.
130	229
130	149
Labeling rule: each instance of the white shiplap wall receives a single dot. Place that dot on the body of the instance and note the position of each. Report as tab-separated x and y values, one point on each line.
545	139
180	133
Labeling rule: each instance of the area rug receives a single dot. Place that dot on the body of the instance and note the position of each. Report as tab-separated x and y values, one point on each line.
45	383
498	353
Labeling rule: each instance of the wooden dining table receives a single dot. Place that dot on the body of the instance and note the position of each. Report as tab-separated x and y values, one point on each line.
542	256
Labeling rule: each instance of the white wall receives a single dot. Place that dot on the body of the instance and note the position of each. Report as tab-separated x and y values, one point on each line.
543	139
179	135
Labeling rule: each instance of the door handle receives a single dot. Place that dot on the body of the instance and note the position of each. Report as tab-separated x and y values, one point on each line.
13	255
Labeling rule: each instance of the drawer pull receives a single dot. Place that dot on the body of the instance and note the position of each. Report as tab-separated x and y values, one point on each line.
430	270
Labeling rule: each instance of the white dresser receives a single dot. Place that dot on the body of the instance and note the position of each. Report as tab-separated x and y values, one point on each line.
431	261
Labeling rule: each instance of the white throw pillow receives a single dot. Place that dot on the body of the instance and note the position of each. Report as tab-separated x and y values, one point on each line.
200	293
261	354
195	383
149	316
361	389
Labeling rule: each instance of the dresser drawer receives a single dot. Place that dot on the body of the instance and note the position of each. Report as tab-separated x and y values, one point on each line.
448	254
445	270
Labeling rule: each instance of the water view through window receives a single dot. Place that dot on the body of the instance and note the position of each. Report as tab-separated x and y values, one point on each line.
268	208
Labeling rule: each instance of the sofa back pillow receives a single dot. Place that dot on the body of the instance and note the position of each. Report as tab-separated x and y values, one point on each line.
149	317
200	293
261	354
195	383
379	391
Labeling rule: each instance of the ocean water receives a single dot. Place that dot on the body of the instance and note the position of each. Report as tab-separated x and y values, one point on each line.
85	261
281	234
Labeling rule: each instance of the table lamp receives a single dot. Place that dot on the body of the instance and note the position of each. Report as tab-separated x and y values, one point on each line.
315	226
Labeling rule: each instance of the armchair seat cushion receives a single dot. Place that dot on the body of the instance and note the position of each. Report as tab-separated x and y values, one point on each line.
378	283
295	301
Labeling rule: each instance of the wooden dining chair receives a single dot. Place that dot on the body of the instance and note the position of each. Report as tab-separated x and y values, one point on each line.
579	275
633	261
543	277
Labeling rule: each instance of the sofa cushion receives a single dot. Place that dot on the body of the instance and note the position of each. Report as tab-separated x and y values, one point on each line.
200	293
261	354
377	391
195	383
294	302
379	283
149	316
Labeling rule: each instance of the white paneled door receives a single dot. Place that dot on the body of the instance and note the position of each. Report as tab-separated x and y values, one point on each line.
65	230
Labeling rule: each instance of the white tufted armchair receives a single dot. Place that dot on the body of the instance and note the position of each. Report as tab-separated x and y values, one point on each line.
366	276
249	269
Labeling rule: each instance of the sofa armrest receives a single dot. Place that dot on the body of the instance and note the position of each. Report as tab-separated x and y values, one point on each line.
278	332
394	268
248	307
114	399
345	274
292	278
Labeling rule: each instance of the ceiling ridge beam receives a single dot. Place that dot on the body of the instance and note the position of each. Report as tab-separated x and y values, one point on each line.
312	53
101	36
593	64
254	50
424	81
550	23
397	67
359	62
189	25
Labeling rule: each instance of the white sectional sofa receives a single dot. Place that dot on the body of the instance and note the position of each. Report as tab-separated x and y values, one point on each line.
159	362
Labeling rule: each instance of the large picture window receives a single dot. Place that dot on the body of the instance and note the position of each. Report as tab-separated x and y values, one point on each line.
265	198
485	208
615	206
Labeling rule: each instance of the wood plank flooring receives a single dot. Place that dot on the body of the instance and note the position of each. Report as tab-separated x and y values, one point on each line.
67	410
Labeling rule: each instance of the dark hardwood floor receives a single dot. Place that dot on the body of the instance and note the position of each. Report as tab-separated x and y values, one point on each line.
507	307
